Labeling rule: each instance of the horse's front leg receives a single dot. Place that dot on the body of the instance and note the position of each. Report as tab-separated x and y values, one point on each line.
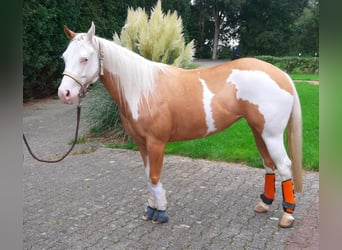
157	203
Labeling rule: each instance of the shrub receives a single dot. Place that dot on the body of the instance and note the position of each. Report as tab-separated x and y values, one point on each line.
294	64
102	114
44	40
42	47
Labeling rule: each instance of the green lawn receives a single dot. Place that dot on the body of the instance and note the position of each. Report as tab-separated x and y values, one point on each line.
236	144
310	77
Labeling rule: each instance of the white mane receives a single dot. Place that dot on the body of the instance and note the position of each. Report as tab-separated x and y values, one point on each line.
135	74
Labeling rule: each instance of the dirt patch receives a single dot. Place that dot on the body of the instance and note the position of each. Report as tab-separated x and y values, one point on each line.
308	81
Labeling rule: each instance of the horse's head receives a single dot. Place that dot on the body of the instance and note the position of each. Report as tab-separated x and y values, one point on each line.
82	65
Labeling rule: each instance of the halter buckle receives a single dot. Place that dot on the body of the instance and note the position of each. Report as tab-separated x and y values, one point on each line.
82	93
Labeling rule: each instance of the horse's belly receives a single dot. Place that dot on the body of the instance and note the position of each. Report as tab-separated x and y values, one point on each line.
193	126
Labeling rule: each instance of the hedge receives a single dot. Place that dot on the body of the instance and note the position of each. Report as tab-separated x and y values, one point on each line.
294	64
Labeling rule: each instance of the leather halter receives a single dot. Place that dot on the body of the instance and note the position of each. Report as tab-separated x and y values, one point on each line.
84	86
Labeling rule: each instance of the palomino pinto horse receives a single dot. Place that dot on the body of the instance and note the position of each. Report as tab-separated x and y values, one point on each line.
159	103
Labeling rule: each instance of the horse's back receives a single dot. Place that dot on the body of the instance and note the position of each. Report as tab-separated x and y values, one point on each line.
256	69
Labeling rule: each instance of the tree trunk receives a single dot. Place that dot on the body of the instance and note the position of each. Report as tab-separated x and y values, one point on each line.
201	35
216	34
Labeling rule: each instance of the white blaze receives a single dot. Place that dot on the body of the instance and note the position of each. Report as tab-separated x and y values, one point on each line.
207	99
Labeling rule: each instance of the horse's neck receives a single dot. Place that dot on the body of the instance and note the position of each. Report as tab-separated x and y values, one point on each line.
130	78
111	84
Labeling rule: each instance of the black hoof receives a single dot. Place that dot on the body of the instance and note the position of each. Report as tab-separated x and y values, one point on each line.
160	217
149	214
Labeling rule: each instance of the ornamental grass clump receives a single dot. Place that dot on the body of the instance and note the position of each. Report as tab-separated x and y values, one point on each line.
158	38
102	115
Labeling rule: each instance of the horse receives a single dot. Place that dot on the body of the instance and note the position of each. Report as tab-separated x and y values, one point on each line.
159	103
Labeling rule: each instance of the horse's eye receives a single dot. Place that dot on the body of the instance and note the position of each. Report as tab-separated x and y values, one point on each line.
84	59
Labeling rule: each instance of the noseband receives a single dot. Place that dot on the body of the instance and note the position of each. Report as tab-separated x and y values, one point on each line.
84	86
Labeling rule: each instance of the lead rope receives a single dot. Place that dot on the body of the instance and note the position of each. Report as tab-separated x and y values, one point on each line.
71	148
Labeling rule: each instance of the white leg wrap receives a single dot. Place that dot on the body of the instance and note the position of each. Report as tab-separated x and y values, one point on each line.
158	196
151	201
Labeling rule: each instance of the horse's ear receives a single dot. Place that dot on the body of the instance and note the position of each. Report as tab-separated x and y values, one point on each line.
69	33
91	32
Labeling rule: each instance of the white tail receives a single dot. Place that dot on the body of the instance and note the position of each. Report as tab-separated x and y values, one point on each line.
294	142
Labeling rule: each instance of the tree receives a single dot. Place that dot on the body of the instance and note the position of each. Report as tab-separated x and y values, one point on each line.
222	16
266	27
200	28
306	28
226	13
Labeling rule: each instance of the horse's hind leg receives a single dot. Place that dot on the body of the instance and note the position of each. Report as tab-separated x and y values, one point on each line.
268	195
277	151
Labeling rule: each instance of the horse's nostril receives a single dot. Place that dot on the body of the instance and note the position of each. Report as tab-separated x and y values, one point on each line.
67	93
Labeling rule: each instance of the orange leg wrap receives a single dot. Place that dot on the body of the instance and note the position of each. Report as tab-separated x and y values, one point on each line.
269	189
289	201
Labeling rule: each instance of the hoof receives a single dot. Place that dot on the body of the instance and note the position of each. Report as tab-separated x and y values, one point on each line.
261	207
160	217
286	221
149	213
